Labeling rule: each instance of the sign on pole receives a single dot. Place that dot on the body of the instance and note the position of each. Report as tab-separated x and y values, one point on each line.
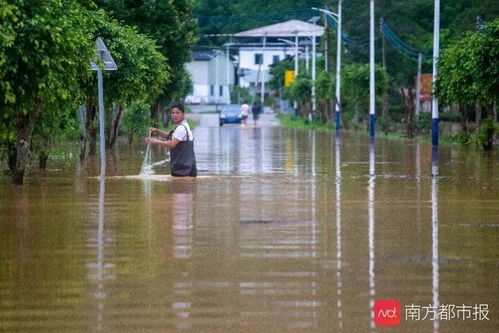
109	65
289	77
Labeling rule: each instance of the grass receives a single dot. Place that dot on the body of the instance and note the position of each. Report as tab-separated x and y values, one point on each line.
300	123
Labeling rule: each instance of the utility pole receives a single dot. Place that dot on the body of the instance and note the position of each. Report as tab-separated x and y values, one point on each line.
314	100
372	105
418	85
338	71
436	51
228	72
338	60
263	74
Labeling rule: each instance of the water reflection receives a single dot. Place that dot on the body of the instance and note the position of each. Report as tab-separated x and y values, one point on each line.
434	232
339	303
372	178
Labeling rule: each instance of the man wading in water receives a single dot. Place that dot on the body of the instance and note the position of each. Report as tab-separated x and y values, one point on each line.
181	144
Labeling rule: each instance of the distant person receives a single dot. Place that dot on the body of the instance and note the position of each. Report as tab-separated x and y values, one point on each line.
256	110
181	144
244	113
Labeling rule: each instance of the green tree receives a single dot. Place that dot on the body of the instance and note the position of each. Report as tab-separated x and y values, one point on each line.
356	86
469	73
45	61
173	27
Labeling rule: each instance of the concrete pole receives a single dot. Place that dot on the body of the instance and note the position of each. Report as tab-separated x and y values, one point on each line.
228	74
314	100
263	74
306	59
295	103
338	70
372	104
217	83
436	51
418	85
101	125
296	54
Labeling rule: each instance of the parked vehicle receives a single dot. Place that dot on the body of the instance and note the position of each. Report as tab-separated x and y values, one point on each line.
230	114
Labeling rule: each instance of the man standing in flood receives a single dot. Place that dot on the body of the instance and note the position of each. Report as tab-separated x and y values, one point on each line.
181	144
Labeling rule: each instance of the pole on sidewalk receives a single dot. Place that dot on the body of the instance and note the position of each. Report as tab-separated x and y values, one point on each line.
436	50
338	71
372	105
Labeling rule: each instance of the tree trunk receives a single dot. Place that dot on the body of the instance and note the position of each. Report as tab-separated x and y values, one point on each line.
43	156
408	100
464	118
478	114
114	126
89	140
25	124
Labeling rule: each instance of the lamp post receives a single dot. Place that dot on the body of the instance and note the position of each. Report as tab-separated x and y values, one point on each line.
337	18
372	104
436	49
314	55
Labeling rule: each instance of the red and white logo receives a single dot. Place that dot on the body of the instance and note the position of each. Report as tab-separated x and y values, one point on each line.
387	312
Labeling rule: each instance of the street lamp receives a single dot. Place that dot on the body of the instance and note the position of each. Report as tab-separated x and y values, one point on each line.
314	54
337	18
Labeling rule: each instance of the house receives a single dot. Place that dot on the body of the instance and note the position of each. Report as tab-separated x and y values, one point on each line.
255	60
212	73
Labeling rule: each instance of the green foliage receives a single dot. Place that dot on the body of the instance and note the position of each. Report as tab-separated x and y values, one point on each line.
469	68
277	71
44	61
301	123
325	85
356	83
136	119
483	137
300	90
240	94
171	25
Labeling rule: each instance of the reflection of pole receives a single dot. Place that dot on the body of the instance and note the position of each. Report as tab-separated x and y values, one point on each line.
101	124
418	85
338	231
436	50
434	233
338	70
372	105
100	294
372	177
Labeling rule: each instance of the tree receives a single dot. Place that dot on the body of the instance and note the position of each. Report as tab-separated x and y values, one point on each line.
50	52
171	25
356	85
469	73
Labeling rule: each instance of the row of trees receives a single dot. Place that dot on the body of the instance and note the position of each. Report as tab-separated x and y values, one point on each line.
45	80
411	20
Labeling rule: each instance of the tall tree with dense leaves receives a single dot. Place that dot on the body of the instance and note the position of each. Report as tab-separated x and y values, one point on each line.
173	27
49	54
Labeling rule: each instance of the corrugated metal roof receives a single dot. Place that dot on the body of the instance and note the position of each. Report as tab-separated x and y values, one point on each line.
284	29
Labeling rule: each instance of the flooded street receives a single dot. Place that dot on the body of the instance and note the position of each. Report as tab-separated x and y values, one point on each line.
283	230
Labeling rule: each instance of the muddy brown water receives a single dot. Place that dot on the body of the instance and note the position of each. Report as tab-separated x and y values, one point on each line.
284	230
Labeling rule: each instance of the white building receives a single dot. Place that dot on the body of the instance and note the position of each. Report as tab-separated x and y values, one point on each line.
212	73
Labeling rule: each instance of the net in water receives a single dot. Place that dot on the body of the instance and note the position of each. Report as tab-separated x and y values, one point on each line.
147	164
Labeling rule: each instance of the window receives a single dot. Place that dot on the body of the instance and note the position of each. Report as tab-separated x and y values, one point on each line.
221	90
275	59
212	90
258	59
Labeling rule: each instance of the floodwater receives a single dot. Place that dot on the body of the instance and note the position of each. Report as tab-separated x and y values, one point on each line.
284	231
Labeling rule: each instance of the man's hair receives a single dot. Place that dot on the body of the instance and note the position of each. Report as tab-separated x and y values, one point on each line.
179	106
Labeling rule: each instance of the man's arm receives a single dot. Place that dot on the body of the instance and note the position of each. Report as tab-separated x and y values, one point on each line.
168	143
